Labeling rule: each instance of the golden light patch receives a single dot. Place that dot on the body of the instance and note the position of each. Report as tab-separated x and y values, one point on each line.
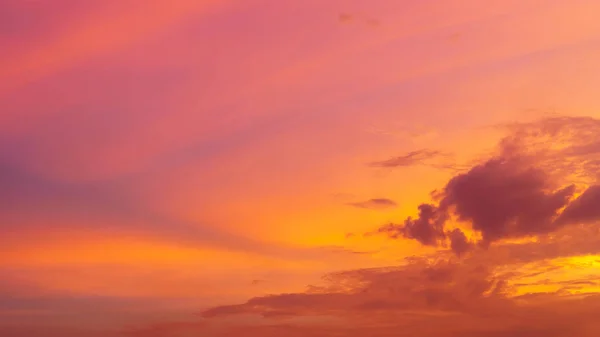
560	276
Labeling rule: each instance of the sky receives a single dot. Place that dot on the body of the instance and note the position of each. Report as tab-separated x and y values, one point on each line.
261	168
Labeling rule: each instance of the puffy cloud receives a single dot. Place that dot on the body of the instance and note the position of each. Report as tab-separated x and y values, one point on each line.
459	242
501	199
427	228
526	189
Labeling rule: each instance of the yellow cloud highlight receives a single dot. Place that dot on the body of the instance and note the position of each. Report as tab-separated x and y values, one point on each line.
562	276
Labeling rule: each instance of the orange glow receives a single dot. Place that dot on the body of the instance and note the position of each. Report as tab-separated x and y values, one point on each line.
245	160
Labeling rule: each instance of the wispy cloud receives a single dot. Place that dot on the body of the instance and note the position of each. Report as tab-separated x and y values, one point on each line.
375	203
409	159
346	18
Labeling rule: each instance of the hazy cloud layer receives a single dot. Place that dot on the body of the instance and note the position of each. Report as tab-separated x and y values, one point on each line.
435	296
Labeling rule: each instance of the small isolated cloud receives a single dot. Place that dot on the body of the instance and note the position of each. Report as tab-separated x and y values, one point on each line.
345	17
428	228
375	203
409	159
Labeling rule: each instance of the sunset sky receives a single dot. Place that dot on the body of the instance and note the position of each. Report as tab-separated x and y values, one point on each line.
262	168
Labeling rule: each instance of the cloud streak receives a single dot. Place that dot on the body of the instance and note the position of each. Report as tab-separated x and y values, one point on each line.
375	203
412	158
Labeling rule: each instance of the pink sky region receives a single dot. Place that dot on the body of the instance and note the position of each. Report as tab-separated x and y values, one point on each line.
344	168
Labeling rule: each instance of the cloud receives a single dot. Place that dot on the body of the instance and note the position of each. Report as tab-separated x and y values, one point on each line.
526	189
420	285
375	203
427	297
542	287
410	159
459	242
566	146
501	199
427	228
584	209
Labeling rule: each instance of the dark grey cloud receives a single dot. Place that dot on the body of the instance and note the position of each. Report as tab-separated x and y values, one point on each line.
427	228
427	298
420	285
435	295
519	192
501	199
511	195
